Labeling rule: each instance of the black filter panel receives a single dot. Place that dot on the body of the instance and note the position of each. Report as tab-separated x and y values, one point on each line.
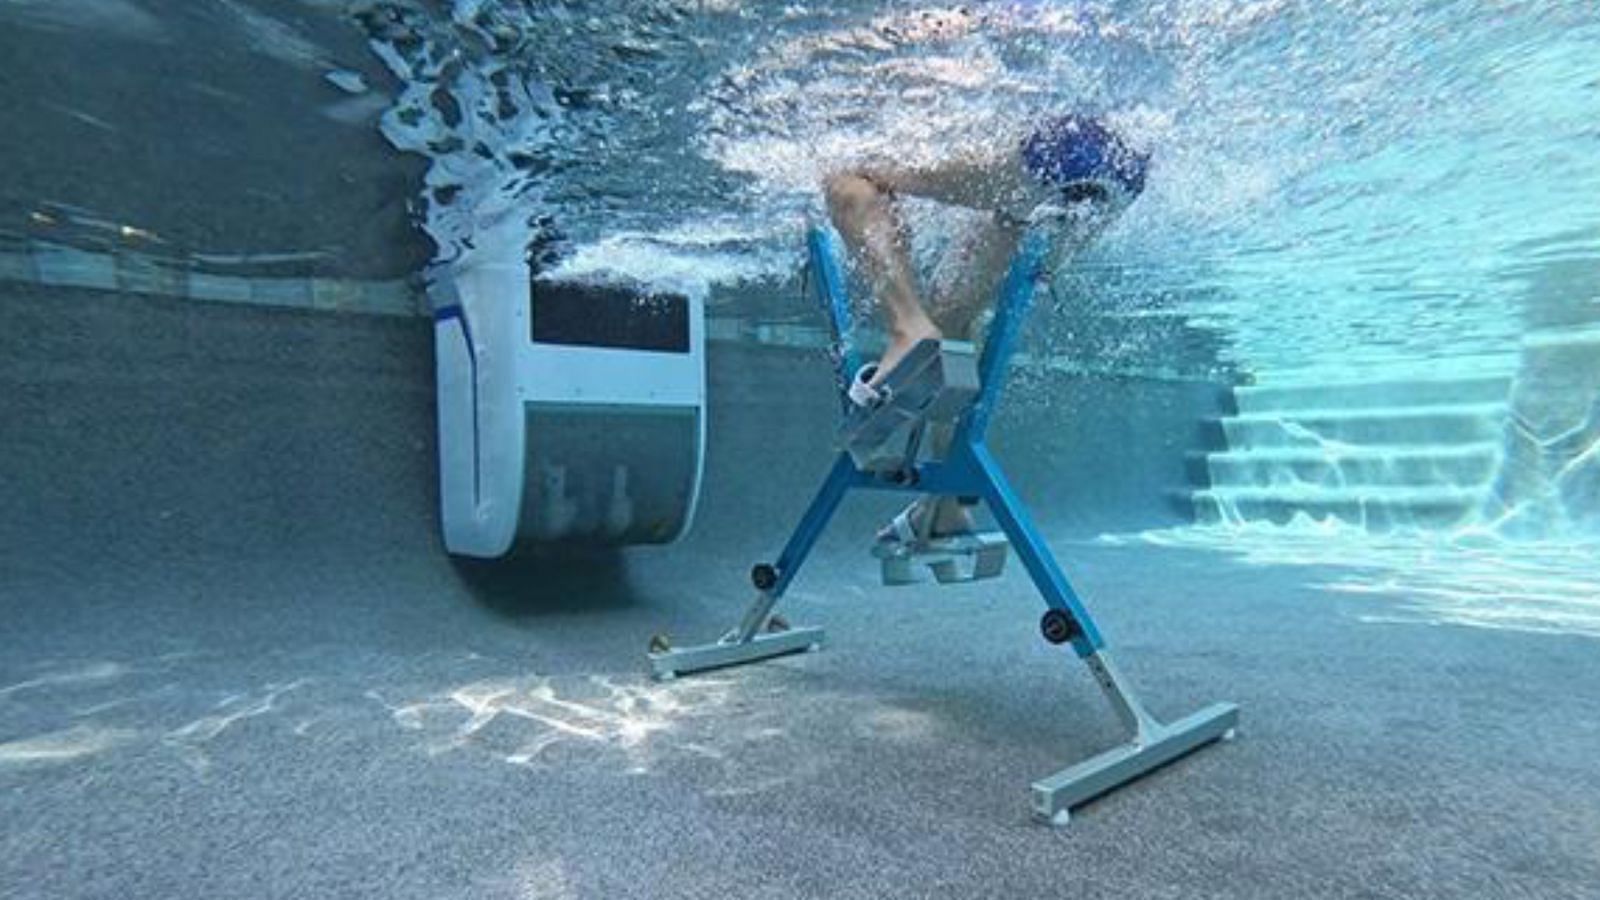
586	315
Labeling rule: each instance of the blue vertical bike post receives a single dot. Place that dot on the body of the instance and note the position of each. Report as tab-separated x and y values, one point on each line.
925	434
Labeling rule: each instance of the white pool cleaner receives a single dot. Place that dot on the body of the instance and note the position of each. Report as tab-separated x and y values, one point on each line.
568	413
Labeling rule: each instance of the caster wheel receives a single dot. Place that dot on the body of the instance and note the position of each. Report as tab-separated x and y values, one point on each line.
660	644
777	625
1058	627
764	576
1061	819
1230	734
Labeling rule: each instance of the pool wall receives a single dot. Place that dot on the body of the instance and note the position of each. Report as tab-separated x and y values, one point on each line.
156	426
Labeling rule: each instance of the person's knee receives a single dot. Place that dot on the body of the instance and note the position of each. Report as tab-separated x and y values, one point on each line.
849	194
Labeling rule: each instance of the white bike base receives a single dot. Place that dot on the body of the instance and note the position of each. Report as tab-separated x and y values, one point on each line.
669	663
1055	796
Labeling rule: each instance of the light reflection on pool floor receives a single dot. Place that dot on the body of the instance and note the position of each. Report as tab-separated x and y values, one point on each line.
1470	579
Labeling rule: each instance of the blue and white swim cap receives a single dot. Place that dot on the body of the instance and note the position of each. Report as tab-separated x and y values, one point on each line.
1077	152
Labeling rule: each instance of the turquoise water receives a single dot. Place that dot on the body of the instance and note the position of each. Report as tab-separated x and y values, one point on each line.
1337	184
1388	208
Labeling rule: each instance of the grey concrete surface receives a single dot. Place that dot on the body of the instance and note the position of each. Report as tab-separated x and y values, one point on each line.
210	126
234	662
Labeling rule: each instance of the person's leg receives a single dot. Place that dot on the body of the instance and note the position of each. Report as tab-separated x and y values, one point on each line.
870	225
964	286
866	218
967	279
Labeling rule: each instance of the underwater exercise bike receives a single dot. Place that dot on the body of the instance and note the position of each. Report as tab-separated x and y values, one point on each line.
925	434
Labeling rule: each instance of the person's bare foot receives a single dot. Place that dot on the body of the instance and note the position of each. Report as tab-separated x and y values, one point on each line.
951	517
932	518
900	343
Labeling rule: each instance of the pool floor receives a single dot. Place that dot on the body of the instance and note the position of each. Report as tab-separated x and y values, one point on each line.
237	663
354	730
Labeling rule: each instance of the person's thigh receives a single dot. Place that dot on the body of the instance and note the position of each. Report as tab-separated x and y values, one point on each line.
974	181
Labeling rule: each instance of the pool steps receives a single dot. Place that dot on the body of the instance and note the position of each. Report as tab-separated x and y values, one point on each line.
1386	455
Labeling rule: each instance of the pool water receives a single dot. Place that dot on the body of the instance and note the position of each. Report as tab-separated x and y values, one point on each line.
1378	206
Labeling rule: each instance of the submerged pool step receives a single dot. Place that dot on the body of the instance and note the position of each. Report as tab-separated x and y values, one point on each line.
1410	453
1377	508
1416	425
1462	465
1365	395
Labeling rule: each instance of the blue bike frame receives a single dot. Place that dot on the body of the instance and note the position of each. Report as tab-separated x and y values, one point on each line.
967	468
